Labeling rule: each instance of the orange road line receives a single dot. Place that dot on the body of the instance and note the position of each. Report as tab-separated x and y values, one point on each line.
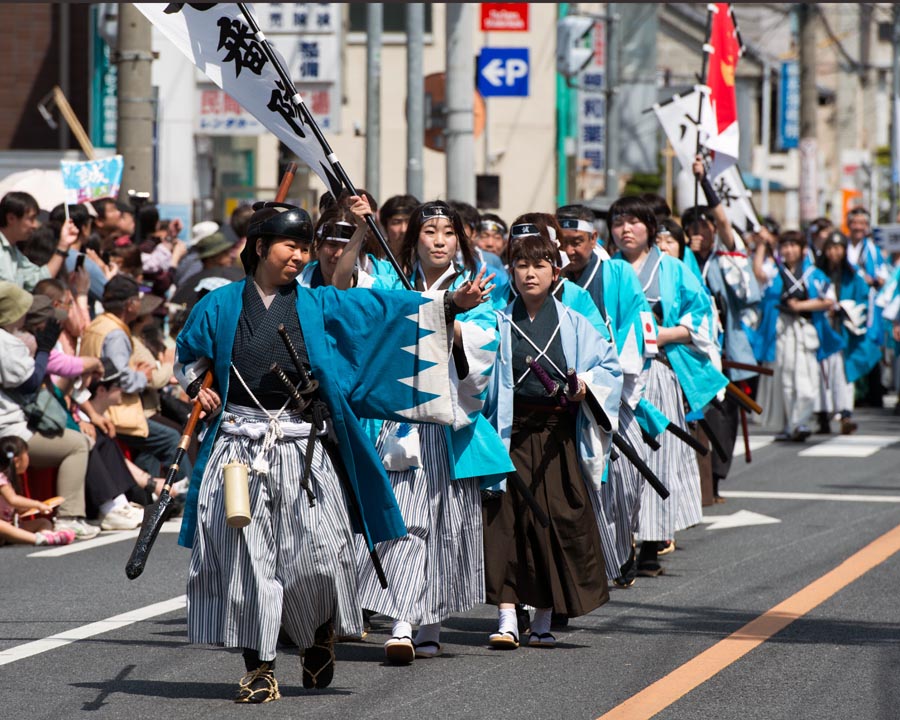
664	692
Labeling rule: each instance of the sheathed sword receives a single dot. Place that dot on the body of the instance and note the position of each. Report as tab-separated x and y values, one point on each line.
158	512
553	388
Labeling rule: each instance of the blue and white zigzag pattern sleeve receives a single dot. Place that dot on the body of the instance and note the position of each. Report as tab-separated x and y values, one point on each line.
480	346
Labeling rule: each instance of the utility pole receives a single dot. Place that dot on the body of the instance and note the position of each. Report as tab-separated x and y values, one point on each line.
415	100
134	135
895	117
460	120
766	137
613	100
64	52
809	187
374	28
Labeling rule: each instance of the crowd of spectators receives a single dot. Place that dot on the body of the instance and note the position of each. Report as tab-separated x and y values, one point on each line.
91	299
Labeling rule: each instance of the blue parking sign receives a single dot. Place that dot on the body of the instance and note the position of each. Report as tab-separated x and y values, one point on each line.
503	72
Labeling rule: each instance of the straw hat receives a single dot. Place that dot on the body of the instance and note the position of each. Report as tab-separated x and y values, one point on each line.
14	302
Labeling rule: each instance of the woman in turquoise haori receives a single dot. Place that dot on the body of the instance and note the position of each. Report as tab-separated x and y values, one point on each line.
436	472
686	370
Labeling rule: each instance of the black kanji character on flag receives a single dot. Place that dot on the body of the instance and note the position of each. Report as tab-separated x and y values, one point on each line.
173	8
281	103
724	191
243	50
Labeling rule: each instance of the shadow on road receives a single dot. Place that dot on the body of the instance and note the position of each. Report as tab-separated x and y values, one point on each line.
704	620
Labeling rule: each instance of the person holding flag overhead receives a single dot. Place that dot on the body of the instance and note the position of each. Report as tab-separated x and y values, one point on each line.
726	272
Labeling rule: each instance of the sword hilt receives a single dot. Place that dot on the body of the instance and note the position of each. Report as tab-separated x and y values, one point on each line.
572	381
298	401
307	383
551	387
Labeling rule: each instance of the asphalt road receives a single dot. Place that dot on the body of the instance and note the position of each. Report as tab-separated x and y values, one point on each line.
841	659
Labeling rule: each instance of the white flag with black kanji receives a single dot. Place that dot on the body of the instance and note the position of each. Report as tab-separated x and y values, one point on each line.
687	124
732	192
216	38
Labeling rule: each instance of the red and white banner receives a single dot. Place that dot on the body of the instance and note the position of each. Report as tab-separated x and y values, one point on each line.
687	121
724	49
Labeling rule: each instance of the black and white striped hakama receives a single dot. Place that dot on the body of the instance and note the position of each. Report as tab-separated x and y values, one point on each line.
293	564
617	505
674	463
437	569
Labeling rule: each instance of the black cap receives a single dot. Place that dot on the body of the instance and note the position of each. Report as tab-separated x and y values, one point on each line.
274	219
120	288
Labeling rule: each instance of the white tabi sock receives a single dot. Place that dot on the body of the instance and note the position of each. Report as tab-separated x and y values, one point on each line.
428	633
508	622
402	629
540	623
110	505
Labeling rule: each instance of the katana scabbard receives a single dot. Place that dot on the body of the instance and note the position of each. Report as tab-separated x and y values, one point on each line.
713	440
631	454
650	441
687	439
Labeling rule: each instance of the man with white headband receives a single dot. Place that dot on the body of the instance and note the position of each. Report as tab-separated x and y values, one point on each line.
614	287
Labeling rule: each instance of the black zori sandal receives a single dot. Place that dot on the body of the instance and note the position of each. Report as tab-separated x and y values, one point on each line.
318	660
258	686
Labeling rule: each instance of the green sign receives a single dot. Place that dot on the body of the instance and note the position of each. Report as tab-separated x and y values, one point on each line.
103	89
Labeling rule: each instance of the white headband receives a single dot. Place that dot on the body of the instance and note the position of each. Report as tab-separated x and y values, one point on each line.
576	224
525	229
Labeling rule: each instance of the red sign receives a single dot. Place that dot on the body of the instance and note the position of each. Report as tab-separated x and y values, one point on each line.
504	17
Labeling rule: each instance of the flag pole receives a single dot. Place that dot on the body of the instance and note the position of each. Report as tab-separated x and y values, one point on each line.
260	37
707	49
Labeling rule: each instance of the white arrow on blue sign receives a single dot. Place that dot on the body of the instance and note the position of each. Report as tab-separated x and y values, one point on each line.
503	72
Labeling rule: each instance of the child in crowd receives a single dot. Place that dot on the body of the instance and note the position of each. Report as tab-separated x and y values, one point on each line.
37	531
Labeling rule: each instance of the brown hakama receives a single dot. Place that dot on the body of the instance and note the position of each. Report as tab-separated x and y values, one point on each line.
560	566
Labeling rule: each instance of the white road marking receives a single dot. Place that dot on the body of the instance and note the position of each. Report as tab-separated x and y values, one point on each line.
850	446
761	495
741	518
19	652
757	442
172	526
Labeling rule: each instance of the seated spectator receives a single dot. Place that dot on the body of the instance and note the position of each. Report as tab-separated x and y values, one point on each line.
84	223
34	530
21	375
18	221
107	477
215	252
109	338
74	301
40	246
123	481
107	224
191	263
